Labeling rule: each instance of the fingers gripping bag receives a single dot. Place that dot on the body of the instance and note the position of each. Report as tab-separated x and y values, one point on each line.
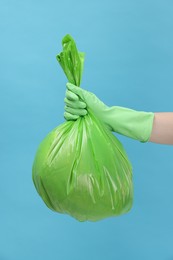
81	168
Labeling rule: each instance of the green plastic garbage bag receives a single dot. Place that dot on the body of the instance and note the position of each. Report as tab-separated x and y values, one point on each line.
81	168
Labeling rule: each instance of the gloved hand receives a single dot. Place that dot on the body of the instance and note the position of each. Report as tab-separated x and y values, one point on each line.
125	121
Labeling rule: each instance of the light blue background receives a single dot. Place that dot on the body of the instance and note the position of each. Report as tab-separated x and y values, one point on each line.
129	62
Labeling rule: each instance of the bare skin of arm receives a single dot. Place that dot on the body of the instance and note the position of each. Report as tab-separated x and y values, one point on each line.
162	132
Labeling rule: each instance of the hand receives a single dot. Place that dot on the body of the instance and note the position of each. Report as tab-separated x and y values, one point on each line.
79	101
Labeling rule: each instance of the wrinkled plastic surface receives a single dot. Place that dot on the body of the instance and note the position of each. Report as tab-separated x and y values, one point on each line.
71	60
82	169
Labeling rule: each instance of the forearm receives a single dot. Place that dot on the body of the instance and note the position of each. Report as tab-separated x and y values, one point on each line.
162	131
131	123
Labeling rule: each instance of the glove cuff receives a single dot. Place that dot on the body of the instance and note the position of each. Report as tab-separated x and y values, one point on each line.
131	123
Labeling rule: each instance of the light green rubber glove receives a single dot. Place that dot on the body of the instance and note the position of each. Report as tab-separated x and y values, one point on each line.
128	122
